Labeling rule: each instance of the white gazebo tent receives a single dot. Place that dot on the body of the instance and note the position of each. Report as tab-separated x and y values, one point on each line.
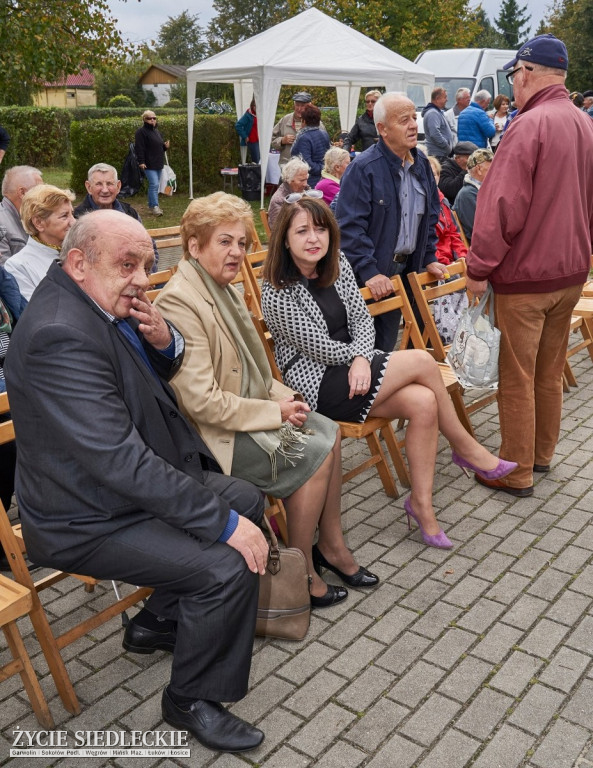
308	49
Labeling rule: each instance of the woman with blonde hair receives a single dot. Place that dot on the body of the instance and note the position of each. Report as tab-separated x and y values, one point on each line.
46	213
336	161
256	428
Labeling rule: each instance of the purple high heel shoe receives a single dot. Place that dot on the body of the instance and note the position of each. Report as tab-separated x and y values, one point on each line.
502	469
438	540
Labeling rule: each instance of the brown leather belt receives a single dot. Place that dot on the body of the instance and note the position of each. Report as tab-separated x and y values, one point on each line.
400	258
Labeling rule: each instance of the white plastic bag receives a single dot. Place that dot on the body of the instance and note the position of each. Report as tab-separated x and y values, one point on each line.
474	351
168	181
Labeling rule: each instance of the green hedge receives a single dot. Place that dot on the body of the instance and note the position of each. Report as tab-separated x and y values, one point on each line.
39	136
216	145
98	113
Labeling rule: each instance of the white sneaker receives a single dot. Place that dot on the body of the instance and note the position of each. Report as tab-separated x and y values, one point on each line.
156	211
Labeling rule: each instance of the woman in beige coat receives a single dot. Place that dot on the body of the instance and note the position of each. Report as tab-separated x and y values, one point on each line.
256	427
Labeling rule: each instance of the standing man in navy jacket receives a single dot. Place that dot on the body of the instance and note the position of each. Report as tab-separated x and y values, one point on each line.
388	209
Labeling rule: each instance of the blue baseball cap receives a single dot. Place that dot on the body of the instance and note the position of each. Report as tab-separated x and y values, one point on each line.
546	50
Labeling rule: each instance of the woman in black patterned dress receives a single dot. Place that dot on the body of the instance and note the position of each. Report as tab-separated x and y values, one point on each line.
324	345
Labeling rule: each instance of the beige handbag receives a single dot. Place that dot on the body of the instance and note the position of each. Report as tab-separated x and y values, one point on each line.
284	607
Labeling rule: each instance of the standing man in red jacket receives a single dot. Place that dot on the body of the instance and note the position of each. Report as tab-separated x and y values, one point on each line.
532	242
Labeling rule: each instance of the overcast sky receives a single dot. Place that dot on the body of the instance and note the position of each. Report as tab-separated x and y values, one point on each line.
141	21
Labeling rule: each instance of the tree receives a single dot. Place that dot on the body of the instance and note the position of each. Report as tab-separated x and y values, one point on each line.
572	22
487	36
238	20
180	40
512	23
122	79
44	40
407	26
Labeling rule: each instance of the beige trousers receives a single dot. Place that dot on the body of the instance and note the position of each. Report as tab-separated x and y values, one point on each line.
534	338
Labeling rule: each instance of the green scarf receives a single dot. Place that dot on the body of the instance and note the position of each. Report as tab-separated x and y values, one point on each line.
256	381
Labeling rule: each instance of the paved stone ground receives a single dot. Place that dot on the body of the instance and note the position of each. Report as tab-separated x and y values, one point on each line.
481	656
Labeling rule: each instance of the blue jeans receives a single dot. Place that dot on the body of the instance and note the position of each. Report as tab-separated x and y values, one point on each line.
154	178
254	151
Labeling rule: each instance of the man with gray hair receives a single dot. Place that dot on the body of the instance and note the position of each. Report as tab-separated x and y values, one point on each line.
103	186
112	480
474	124
532	242
388	209
462	100
17	181
437	133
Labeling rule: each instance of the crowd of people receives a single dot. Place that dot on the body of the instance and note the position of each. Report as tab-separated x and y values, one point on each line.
148	434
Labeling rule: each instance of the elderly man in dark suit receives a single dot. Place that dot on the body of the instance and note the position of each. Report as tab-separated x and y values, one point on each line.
113	482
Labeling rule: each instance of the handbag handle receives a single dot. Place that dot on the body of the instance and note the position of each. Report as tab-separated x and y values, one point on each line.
478	309
273	564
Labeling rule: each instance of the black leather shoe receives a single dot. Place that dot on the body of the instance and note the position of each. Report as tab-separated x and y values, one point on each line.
212	725
332	596
541	467
362	577
138	639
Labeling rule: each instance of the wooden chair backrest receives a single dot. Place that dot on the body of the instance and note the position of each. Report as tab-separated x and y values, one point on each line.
460	228
263	214
256	243
157	280
426	289
165	237
397	300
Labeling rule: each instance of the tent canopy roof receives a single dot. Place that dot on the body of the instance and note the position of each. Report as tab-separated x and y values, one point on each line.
305	50
310	49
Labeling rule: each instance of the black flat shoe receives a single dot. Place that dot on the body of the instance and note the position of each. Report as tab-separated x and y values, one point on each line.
332	596
138	639
212	725
362	577
541	467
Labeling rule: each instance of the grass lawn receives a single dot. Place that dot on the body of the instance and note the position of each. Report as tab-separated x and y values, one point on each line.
172	207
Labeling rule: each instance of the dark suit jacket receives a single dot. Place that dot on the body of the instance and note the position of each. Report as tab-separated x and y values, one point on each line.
101	442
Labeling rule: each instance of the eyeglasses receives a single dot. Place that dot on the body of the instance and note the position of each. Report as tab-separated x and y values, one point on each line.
511	76
149	119
370	101
294	197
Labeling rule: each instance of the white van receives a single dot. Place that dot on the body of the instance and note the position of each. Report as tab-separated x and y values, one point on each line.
473	68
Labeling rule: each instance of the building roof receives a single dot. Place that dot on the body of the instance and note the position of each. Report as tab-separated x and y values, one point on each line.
83	79
176	70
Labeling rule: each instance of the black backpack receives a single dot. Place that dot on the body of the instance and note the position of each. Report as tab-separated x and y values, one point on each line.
131	175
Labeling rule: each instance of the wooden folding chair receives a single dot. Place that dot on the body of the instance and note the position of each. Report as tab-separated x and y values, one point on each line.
426	289
263	214
51	645
15	602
